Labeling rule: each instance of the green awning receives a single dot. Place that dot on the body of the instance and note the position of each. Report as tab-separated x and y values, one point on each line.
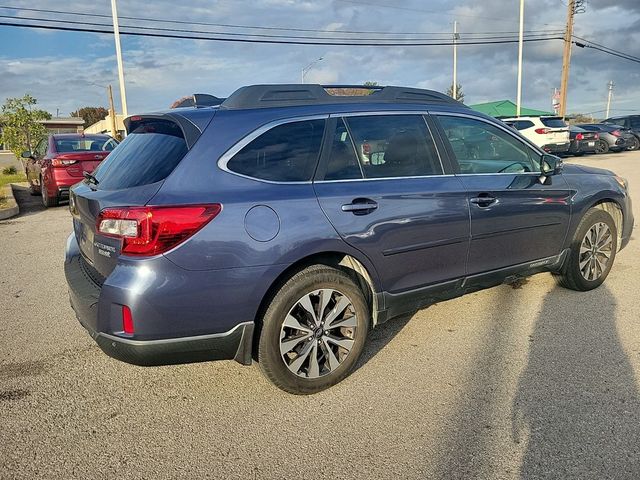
506	108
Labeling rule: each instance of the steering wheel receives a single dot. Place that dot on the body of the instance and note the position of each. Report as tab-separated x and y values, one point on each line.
522	167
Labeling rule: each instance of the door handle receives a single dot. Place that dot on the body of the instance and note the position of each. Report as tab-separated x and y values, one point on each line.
484	200
360	206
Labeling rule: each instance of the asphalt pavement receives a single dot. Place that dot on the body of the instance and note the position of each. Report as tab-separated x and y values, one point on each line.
529	381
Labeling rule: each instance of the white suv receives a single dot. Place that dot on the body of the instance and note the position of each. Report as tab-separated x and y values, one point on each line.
549	133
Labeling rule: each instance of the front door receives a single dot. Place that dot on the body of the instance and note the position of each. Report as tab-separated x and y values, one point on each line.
514	217
381	184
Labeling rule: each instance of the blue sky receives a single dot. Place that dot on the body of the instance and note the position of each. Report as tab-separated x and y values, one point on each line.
64	69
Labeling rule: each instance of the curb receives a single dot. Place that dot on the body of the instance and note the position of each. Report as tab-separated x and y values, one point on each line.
12	208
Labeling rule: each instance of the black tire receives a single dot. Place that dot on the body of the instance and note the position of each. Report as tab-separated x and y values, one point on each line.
571	277
635	145
284	302
48	201
602	146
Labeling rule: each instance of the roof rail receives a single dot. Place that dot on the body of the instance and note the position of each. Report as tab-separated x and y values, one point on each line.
291	95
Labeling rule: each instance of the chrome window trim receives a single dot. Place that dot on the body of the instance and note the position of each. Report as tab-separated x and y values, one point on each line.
246	140
385	178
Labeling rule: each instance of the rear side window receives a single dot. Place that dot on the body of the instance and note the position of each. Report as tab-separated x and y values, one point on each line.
148	154
553	122
286	153
394	146
635	122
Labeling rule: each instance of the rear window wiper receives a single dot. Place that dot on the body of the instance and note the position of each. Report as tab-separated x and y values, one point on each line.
90	178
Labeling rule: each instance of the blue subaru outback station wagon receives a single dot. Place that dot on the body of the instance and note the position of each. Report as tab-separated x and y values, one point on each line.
284	223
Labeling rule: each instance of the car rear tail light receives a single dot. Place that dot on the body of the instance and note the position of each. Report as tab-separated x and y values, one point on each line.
579	136
154	230
616	133
62	162
542	131
127	320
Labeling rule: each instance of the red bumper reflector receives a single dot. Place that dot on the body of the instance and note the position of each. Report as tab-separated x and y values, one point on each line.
127	320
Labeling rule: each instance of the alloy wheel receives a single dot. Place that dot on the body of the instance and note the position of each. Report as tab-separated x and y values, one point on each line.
318	333
601	146
595	251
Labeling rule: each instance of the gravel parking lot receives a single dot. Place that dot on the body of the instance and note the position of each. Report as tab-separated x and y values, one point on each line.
531	381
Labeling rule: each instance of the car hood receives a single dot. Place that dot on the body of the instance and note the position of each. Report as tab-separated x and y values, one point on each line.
571	168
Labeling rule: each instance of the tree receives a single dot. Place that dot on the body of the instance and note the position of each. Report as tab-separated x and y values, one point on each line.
459	94
91	115
21	129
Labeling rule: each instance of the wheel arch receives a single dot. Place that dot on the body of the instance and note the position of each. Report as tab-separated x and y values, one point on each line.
613	208
350	264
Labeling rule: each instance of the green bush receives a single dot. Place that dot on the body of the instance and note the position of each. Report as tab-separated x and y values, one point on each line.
9	170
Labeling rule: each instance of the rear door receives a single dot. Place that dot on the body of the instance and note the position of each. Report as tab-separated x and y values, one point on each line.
514	218
129	176
382	185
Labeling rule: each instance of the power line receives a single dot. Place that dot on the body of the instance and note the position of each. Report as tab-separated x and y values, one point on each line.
234	34
292	41
584	43
255	27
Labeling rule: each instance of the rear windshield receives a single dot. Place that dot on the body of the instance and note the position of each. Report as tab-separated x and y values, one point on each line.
553	122
148	154
85	144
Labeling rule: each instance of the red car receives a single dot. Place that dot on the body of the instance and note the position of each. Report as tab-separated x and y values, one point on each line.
59	162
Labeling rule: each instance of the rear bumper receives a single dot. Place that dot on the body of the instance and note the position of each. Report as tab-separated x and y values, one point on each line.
96	309
556	147
202	348
582	146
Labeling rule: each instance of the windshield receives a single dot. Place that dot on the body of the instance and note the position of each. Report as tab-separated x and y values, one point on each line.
85	144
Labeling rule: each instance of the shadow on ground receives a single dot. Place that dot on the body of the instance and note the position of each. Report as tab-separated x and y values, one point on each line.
577	399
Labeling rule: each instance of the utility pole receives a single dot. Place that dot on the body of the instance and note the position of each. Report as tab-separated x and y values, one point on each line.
610	85
520	43
112	113
116	34
454	89
573	7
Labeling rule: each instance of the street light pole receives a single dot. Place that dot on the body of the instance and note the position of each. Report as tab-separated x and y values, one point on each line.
308	67
454	89
116	34
520	43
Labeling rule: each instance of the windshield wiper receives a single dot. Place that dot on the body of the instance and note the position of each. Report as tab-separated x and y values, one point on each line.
90	178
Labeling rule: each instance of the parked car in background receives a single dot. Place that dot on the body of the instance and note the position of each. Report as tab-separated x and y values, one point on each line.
265	228
582	141
59	161
632	122
611	139
549	133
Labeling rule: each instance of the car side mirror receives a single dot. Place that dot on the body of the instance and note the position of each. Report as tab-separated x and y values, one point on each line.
550	165
27	154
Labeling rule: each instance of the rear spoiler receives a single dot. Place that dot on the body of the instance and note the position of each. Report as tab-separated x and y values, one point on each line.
197	100
191	128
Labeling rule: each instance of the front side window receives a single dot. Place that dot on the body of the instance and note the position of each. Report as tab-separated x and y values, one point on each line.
393	146
480	147
634	122
285	153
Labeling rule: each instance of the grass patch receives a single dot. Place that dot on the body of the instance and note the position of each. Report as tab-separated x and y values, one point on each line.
15	178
